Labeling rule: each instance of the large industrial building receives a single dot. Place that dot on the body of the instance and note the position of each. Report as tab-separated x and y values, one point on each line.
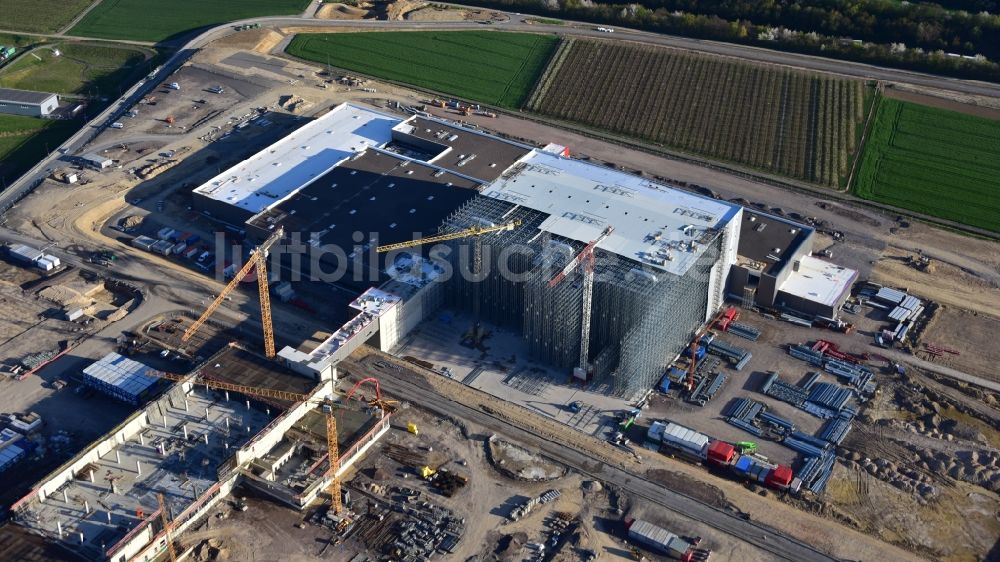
356	178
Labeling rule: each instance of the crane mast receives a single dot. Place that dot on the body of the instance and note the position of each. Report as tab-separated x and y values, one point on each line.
587	259
332	442
257	260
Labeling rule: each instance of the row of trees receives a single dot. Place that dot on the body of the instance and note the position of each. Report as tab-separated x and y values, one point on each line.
711	26
925	25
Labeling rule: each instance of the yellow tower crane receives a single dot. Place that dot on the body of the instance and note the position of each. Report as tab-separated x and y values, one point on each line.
471	231
258	260
332	444
477	257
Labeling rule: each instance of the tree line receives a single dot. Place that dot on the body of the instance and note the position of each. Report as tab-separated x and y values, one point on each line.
920	36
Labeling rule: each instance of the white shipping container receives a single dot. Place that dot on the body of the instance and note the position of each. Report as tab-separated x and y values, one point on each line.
685	438
650	536
44	264
162	247
143	242
55	261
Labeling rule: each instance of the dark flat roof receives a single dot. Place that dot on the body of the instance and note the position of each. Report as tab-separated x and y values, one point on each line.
23	96
379	194
761	234
239	366
493	155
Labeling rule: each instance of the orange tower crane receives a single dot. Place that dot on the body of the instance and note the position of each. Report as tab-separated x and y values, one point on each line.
586	258
167	527
328	406
258	260
695	344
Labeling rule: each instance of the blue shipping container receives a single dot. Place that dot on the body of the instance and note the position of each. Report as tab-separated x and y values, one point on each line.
664	384
743	465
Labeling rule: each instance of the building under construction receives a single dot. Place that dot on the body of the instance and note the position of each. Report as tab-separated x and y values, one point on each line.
189	449
604	273
659	267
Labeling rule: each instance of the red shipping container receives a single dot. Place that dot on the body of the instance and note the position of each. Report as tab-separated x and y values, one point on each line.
780	477
720	452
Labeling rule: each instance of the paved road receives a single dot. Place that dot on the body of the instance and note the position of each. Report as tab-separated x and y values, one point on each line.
940	369
514	22
395	381
517	22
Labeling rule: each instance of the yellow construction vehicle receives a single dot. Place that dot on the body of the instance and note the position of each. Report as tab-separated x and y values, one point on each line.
258	260
332	444
471	231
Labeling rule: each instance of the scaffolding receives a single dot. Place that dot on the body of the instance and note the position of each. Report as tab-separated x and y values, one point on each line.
641	319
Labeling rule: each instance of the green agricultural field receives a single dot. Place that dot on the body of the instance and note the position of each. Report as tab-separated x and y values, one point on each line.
488	66
25	140
933	161
157	20
797	124
80	69
39	16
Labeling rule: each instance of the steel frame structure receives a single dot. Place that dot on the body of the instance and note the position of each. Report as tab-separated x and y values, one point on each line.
641	318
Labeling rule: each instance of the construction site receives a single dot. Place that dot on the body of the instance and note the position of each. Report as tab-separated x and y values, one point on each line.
579	360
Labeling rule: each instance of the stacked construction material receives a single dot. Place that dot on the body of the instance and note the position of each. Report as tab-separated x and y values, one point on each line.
120	377
835	430
786	392
736	355
744	331
779	423
799	445
830	395
816	471
742	413
707	388
806	354
857	376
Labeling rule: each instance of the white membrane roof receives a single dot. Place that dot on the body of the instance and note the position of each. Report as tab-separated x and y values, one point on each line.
819	281
275	173
654	224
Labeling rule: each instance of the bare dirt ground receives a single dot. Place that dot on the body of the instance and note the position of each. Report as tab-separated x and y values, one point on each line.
980	106
971	333
259	40
342	12
943	282
814	528
910	469
896	516
434	13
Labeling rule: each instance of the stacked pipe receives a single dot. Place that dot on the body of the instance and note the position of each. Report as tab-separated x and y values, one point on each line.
744	331
742	413
835	430
806	354
777	421
799	446
735	354
830	395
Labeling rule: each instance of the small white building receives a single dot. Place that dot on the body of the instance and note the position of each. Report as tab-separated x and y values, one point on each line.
25	102
96	161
